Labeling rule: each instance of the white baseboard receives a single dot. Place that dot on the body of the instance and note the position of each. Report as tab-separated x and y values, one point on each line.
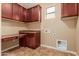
66	51
10	48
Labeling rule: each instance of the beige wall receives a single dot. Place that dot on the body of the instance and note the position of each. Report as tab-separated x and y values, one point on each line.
77	33
62	30
12	27
34	25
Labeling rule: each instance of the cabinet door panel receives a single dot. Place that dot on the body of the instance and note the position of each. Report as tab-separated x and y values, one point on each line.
21	13
34	40
38	39
69	9
16	13
25	14
31	40
36	13
7	10
29	15
22	41
78	8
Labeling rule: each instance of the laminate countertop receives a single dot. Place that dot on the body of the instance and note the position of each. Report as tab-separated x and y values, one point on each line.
11	35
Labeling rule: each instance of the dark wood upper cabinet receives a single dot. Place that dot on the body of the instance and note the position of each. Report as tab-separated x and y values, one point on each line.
24	15
6	10
21	13
16	13
36	13
29	15
68	9
78	8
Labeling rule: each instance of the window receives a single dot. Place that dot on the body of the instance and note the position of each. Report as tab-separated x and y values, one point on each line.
50	13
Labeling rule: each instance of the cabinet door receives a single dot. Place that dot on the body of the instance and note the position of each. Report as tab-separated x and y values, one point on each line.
21	13
29	15
37	39
36	13
69	9
78	8
25	14
22	40
31	40
7	10
16	13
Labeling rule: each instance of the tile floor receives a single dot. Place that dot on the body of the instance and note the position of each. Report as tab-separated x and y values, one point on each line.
41	51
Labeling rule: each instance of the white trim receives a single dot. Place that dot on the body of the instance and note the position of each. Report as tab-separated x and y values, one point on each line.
10	48
66	51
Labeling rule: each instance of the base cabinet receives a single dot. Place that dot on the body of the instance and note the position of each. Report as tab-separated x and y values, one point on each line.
78	8
31	40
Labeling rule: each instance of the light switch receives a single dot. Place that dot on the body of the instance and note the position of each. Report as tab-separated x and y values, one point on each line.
47	31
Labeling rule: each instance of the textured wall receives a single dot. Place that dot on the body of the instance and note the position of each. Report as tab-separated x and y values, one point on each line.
12	27
34	25
60	29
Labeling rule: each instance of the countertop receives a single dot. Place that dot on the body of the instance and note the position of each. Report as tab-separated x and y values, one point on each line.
29	31
10	35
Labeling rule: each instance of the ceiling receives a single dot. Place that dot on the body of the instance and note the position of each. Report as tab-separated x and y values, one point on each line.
28	5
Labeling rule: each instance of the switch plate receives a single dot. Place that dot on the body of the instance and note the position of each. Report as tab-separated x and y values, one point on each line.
47	31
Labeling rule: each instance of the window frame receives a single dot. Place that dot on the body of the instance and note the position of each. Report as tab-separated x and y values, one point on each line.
50	12
49	7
